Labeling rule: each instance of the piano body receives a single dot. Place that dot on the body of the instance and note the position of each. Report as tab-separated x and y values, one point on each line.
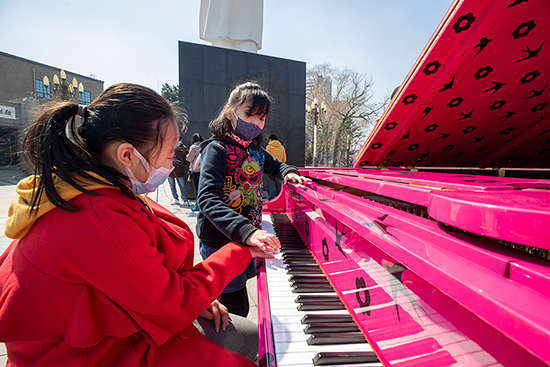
436	241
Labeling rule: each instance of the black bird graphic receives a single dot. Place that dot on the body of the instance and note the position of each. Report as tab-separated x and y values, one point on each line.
361	285
448	86
517	2
378	224
537	93
476	139
497	86
383	227
397	286
325	249
507	116
427	110
406	136
338	239
443	136
466	115
483	42
531	53
458	154
424	155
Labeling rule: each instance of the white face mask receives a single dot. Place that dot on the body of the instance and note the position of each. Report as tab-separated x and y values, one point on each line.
155	178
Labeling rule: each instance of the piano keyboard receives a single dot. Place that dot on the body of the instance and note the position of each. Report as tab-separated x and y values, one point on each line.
311	326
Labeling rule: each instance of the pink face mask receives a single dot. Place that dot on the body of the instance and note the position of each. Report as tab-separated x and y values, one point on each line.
156	177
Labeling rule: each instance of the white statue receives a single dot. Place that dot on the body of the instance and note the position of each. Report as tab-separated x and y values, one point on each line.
235	24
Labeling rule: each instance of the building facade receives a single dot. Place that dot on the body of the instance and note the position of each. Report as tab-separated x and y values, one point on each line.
23	90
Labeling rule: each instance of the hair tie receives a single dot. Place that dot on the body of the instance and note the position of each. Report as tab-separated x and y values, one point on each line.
81	110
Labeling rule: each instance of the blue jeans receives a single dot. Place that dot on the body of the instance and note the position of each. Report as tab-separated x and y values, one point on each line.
239	282
181	184
273	188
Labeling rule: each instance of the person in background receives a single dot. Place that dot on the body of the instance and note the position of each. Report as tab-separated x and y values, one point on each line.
194	159
277	150
99	274
230	187
178	175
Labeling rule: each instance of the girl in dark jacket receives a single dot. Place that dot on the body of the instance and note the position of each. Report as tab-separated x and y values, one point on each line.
231	189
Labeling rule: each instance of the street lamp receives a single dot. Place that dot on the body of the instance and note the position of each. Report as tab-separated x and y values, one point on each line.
315	110
63	89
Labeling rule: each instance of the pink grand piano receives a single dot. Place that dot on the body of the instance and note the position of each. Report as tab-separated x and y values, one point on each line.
433	249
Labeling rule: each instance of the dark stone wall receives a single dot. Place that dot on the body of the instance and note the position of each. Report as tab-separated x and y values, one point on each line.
207	74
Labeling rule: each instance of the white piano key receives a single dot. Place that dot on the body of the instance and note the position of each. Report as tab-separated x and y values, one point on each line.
290	341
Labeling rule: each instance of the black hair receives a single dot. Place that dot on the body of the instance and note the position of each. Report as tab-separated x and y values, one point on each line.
197	138
272	137
260	105
55	144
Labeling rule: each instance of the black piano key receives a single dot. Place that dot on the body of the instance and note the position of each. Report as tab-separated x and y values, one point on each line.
331	327
306	277
315	289
336	338
306	298
303	270
294	250
297	258
310	318
297	261
297	283
304	266
336	358
321	306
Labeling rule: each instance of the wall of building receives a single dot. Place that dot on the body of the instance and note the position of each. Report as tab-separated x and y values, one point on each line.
20	105
18	75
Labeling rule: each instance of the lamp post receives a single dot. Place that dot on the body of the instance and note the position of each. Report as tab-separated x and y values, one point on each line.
62	89
315	110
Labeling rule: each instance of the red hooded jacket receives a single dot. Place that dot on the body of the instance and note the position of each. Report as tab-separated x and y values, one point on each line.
111	285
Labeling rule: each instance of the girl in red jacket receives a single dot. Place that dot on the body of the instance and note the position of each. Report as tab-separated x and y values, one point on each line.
98	273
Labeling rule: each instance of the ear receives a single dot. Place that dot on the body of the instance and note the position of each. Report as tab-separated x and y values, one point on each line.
125	154
229	114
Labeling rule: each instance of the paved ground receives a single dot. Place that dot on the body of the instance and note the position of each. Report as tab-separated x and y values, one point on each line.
162	196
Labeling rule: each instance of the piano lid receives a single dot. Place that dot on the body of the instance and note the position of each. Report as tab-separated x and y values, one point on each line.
478	95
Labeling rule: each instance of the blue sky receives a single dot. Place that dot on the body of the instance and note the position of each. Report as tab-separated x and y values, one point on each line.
136	41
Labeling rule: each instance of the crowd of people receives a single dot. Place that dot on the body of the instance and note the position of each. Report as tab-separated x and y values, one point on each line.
111	269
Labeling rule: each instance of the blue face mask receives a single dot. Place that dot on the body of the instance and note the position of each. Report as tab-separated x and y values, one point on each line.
246	130
155	179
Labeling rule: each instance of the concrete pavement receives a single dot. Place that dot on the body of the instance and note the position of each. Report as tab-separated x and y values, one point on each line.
162	196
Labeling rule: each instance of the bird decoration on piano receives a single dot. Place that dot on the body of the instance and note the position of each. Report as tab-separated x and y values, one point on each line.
396	284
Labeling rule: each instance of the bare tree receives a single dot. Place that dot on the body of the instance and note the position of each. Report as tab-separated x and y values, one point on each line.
350	112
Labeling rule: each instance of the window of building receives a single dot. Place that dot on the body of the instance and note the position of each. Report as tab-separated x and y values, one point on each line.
42	91
85	98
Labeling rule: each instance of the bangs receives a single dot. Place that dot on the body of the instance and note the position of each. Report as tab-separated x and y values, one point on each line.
261	103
